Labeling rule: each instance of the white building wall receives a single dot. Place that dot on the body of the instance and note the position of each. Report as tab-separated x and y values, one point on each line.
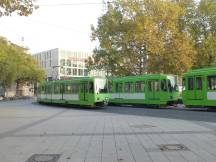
60	63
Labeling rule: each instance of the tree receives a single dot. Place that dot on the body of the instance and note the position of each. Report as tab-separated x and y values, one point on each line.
17	66
7	66
27	69
205	34
21	7
142	36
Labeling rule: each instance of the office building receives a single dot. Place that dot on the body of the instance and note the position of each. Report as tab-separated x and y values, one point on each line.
63	64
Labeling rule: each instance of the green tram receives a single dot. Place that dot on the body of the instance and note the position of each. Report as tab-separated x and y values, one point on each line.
89	91
149	89
199	87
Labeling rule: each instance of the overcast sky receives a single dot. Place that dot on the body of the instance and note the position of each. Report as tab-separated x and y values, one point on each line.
57	23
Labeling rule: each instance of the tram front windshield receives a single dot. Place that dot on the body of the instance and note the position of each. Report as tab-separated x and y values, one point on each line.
172	83
101	86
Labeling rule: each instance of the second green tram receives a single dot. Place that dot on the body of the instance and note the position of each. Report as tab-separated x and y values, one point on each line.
199	88
89	91
149	89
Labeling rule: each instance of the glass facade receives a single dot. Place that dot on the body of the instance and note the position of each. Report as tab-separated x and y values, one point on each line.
59	63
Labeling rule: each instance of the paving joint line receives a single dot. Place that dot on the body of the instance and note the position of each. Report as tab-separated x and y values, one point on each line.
110	134
21	128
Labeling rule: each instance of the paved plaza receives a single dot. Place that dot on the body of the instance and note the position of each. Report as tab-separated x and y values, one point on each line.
32	132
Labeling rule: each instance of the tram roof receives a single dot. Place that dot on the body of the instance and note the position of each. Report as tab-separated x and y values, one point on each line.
141	76
200	71
77	79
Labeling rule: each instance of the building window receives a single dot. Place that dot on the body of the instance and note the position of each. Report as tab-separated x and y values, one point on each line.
80	65
85	72
80	72
62	62
68	71
62	70
69	63
74	71
50	55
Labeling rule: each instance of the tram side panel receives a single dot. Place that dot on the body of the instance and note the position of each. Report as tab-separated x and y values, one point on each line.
200	88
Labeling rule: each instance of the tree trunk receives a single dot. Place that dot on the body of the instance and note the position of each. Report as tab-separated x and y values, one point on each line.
17	88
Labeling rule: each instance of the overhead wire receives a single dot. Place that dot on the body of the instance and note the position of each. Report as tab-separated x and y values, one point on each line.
69	4
73	4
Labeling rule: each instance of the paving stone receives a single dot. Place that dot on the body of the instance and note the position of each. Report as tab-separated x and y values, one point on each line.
113	134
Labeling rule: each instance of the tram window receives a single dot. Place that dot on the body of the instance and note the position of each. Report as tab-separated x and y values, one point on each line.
118	87
169	86
91	87
199	83
74	87
56	88
212	82
68	89
128	87
190	84
110	84
157	85
163	85
150	86
48	89
140	86
81	87
40	90
154	85
43	90
183	84
62	88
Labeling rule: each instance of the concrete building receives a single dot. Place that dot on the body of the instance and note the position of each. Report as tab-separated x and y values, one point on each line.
60	64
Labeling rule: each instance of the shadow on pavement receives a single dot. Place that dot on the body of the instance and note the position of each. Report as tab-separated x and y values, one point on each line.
200	114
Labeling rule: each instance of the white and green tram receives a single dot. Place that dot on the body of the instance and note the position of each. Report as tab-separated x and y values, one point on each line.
89	91
149	89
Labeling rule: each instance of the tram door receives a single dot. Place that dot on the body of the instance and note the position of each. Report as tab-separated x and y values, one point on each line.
198	87
153	90
83	91
195	88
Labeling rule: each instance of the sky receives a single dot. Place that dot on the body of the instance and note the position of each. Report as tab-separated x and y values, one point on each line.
56	24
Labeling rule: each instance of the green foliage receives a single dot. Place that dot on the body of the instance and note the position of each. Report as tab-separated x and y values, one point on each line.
7	66
207	52
21	7
205	34
143	36
17	65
